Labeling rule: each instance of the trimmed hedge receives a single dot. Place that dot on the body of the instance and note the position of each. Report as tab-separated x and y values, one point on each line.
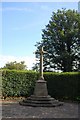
18	83
64	85
60	85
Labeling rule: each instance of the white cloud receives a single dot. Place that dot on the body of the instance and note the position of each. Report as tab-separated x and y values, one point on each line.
17	9
28	60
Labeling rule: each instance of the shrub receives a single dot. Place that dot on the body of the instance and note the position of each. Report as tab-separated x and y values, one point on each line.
22	83
63	85
18	83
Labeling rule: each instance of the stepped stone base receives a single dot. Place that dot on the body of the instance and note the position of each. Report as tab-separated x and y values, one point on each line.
40	98
45	101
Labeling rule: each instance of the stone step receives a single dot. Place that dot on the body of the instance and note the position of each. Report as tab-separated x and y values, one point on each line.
41	98
41	101
40	104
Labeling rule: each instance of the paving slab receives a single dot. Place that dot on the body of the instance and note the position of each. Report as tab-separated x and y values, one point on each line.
17	111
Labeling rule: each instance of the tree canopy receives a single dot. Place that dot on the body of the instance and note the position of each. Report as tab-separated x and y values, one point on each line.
15	65
61	40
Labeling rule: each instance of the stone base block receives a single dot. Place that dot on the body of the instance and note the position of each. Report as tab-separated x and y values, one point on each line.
45	101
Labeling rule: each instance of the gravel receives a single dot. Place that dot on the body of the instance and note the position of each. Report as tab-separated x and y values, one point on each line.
15	110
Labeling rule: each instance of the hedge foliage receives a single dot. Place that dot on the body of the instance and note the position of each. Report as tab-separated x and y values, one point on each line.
18	83
60	85
64	85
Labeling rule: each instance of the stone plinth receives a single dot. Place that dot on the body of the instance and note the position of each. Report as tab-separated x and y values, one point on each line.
40	98
40	89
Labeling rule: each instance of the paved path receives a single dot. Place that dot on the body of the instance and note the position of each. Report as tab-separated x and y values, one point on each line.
14	110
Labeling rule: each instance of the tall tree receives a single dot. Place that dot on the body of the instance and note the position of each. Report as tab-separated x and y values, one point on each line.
15	65
61	40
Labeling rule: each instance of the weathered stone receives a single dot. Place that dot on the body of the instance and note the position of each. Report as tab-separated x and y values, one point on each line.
40	88
40	98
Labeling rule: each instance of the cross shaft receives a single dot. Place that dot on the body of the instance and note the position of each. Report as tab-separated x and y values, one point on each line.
41	63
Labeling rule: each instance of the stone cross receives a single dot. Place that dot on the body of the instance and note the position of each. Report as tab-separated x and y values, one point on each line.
40	97
41	62
41	52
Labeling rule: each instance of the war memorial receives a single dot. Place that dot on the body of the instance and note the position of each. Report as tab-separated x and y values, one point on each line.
40	98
